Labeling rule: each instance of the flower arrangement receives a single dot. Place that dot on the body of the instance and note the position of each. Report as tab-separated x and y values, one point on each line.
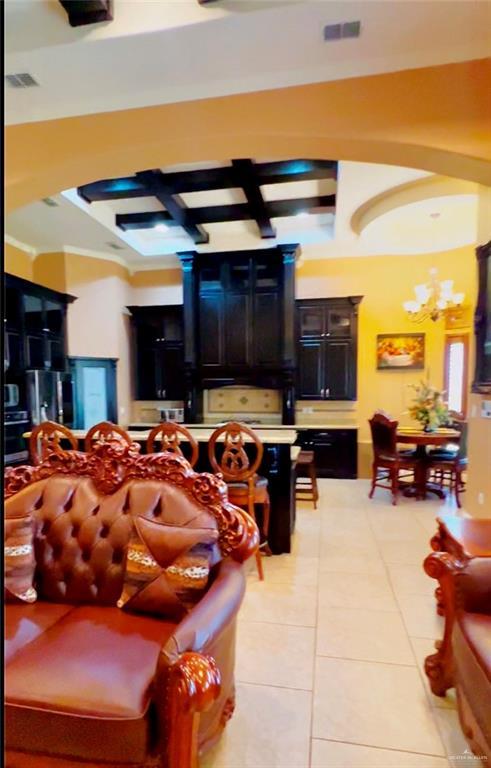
428	407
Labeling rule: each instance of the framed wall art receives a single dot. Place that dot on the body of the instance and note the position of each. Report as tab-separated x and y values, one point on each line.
396	351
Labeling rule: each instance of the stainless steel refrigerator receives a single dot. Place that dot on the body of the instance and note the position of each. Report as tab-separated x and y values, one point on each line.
50	397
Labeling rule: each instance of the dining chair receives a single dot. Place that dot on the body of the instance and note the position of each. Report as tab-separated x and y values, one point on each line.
451	465
245	487
105	432
168	435
389	464
46	438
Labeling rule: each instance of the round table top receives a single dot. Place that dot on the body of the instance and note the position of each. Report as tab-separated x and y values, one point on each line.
418	436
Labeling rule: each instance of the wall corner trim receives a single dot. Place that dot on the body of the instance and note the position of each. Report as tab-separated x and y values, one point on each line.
21	246
67	249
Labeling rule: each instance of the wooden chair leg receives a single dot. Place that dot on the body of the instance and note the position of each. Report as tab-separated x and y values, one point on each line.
458	487
374	480
313	480
394	474
259	560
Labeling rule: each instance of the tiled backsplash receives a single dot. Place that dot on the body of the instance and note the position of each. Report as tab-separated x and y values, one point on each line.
148	411
334	411
236	402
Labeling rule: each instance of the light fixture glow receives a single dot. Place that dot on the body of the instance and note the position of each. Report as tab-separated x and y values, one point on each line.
161	227
433	300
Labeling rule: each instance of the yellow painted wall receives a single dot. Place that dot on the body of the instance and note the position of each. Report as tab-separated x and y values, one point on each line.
48	269
17	262
385	282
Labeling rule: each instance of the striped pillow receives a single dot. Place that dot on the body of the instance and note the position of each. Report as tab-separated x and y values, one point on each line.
19	560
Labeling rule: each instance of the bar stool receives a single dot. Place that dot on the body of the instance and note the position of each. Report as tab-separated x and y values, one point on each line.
306	478
46	438
245	487
105	432
168	434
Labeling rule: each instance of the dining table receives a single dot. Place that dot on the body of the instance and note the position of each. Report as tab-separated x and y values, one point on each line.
421	439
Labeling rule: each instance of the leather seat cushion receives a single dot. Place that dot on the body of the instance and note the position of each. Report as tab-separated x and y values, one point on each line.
83	687
259	482
471	643
24	623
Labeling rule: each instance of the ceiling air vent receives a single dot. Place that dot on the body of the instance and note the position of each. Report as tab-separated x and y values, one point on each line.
21	80
341	31
50	202
115	246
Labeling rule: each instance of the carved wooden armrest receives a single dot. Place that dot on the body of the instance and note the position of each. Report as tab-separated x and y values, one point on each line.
191	686
439	665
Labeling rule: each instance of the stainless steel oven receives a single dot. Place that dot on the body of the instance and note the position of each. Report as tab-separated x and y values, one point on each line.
15	447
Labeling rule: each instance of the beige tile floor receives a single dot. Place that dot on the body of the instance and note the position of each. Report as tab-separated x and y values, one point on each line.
331	645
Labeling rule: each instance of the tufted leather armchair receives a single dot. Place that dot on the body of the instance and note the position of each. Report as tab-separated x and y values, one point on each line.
88	684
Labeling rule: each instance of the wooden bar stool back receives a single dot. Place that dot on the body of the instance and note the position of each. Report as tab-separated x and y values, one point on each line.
168	435
306	478
105	432
46	438
245	487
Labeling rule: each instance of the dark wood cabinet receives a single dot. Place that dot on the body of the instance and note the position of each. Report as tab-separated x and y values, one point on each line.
335	451
159	354
482	323
327	348
35	326
240	306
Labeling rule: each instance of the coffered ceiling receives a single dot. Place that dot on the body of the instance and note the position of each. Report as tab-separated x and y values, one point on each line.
378	210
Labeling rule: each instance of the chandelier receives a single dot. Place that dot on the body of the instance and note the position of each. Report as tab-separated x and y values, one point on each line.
433	300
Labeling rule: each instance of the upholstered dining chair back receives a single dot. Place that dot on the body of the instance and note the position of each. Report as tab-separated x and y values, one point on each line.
384	431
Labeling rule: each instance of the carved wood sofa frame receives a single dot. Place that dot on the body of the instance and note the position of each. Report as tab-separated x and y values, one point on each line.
192	682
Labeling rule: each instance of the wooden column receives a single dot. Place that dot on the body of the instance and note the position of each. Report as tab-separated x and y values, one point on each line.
192	397
289	254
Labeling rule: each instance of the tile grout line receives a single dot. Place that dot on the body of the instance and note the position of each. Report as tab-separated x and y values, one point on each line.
314	657
433	717
389	749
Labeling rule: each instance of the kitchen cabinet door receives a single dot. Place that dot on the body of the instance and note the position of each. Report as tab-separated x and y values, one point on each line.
267	328
171	362
311	320
211	329
339	370
310	369
237	329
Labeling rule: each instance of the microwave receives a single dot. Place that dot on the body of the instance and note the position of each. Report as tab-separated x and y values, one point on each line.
10	395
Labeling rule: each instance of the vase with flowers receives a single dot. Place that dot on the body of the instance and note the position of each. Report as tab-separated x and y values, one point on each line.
428	407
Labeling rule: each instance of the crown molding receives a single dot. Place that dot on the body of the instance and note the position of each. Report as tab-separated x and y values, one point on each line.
21	246
101	255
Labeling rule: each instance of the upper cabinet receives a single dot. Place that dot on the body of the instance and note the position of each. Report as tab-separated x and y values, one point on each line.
35	326
240	309
158	352
327	348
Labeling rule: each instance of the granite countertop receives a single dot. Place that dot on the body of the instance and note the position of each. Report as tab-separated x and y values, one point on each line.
259	427
203	434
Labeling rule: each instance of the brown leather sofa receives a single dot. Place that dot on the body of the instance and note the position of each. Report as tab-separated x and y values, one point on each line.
463	657
87	683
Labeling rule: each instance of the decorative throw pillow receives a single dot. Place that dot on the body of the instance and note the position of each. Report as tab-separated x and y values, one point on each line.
19	560
167	568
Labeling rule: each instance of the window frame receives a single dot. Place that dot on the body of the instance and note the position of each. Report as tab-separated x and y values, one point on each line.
451	338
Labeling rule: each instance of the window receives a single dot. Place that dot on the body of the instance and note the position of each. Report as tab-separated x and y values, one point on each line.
456	366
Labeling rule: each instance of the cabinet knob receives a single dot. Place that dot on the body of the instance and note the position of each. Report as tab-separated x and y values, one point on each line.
322	392
327	392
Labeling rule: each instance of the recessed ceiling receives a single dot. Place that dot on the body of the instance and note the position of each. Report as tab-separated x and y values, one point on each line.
391	206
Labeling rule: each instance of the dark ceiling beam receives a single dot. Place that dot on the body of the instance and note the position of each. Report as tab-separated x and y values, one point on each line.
216	214
246	178
157	185
81	12
212	178
112	189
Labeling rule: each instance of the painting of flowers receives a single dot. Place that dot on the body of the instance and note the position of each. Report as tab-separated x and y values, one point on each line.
401	351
